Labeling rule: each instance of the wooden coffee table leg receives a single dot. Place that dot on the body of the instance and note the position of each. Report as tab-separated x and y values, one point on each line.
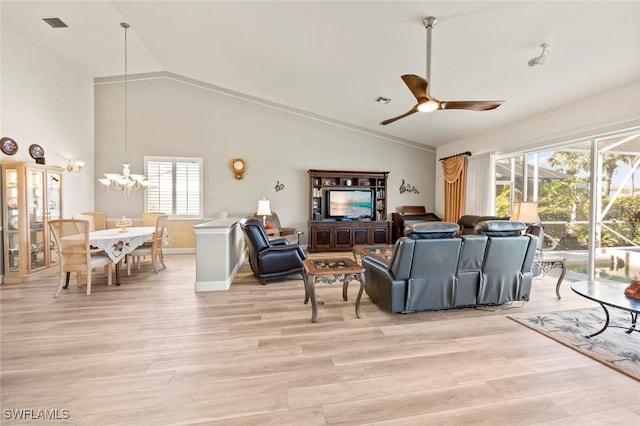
362	284
345	286
305	279
311	290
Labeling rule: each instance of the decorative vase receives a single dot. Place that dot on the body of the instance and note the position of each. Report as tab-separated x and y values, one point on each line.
123	223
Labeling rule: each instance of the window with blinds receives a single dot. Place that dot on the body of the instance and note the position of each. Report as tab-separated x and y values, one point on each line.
175	186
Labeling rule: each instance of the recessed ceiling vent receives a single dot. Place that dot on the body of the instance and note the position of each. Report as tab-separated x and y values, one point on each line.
55	22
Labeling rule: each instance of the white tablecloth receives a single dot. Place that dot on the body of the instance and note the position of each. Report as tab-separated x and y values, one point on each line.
118	244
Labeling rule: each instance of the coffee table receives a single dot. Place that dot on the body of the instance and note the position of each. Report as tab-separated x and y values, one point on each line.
609	294
330	271
383	250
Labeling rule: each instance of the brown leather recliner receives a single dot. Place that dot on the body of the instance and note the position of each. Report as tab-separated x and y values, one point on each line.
407	215
270	259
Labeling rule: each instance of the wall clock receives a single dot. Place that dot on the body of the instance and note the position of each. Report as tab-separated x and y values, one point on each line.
36	151
8	146
238	166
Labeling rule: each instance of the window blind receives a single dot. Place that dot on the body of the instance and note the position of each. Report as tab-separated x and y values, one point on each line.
175	186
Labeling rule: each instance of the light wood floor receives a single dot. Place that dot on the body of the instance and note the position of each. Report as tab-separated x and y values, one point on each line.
153	352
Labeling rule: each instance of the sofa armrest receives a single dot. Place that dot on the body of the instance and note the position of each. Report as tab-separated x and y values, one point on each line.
378	261
381	287
278	258
279	242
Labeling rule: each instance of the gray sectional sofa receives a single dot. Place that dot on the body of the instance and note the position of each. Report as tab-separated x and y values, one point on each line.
432	269
468	222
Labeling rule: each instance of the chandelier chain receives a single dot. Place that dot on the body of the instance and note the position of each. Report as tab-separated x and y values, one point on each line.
127	181
126	93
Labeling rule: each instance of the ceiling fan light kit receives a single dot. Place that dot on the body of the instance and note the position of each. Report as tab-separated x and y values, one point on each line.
419	87
428	105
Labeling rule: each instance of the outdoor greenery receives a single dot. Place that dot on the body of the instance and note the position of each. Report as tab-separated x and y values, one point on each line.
567	202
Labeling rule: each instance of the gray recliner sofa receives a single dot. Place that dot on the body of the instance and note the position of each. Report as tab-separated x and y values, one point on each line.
432	269
468	222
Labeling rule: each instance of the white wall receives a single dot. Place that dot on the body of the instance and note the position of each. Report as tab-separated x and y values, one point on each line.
171	116
49	102
614	109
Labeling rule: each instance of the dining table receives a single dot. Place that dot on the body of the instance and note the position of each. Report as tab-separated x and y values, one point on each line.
118	243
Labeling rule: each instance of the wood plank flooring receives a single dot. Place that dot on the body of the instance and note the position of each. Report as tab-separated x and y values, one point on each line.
154	352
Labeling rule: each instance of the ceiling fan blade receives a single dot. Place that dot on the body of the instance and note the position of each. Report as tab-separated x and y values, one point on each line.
391	120
417	85
471	105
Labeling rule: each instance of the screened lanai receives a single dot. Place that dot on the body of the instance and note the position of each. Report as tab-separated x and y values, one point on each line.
588	200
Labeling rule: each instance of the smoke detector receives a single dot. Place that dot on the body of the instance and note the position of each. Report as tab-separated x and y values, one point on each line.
539	60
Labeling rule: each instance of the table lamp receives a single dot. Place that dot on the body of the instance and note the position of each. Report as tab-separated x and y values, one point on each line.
525	212
264	210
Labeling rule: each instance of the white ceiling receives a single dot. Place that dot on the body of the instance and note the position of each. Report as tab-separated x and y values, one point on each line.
334	58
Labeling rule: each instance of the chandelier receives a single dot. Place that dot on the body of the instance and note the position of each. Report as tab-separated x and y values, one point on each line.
125	182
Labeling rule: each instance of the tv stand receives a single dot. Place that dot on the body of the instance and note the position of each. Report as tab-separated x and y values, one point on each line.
329	234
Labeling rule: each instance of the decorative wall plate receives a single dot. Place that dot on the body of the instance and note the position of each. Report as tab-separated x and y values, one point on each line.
12	202
36	151
8	146
13	222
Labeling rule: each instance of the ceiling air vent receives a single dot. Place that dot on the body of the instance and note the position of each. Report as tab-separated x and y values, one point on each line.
55	22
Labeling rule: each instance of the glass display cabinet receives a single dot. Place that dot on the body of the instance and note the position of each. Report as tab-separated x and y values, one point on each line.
31	196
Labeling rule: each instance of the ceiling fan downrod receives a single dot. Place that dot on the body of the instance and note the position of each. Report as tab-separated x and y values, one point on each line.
429	22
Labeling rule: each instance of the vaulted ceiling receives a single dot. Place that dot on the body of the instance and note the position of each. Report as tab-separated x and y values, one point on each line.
333	58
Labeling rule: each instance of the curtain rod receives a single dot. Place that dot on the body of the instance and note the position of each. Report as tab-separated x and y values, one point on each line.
456	155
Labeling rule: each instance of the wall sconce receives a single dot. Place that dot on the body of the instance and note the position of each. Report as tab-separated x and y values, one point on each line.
75	166
279	186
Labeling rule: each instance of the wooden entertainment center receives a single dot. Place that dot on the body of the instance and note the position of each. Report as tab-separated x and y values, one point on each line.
347	208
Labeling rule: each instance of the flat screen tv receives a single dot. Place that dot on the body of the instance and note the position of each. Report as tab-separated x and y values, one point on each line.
349	203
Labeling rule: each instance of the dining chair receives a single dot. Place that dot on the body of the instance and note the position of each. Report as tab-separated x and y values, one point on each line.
88	218
91	218
153	248
72	241
99	220
149	218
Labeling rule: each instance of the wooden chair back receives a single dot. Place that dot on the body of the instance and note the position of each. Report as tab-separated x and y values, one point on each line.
99	220
71	237
88	218
150	218
72	241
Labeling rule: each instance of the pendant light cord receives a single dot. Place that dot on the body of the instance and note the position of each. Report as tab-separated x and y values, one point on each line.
126	93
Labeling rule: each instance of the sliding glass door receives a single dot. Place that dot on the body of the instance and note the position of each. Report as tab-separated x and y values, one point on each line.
587	198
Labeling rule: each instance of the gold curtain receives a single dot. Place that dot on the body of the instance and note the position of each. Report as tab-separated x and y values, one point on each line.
455	182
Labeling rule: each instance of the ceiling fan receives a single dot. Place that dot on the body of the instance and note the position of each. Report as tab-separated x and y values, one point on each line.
420	88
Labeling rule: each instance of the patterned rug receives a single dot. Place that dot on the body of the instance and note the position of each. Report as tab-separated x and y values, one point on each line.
613	347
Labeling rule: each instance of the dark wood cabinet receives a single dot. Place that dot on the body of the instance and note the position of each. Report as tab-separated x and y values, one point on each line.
340	231
342	236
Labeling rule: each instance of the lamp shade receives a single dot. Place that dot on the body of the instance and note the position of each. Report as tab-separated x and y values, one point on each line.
525	212
263	208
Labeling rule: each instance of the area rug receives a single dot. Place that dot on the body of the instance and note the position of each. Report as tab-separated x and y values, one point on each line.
613	347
